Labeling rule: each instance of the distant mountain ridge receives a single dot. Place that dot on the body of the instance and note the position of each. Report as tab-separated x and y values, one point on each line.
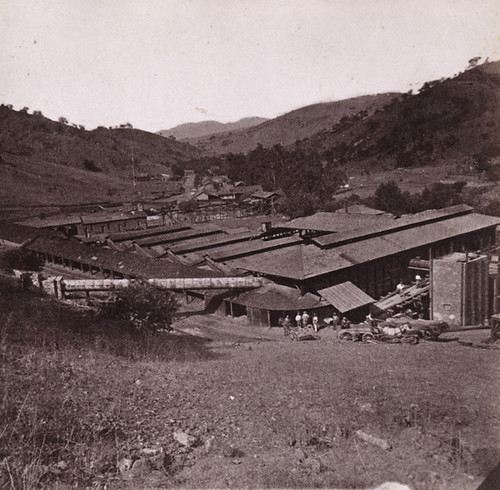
208	128
295	125
452	121
455	122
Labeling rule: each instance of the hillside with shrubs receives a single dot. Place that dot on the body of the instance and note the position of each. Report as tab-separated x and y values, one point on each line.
54	161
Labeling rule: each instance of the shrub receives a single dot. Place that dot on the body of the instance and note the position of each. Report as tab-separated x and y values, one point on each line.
144	306
188	206
90	165
21	259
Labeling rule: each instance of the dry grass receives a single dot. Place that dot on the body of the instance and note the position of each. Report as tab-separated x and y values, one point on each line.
79	396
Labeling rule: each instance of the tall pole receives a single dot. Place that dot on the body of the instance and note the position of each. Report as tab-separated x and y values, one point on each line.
133	168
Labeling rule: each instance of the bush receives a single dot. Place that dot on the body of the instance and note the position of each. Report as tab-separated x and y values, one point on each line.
188	206
90	165
144	306
21	259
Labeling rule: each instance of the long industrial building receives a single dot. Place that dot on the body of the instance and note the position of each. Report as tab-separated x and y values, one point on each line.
342	261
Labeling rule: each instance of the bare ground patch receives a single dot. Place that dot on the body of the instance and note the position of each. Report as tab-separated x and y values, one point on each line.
81	400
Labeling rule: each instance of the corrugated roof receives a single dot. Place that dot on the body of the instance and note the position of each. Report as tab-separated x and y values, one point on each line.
433	232
131	235
303	261
250	247
91	218
346	296
74	219
129	263
337	222
298	262
52	221
179	236
381	224
360	209
367	250
279	298
211	242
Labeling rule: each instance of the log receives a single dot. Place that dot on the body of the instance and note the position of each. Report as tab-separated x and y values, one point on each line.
373	440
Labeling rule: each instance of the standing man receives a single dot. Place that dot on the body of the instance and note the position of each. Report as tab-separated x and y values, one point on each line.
418	280
315	322
336	320
298	319
305	319
286	325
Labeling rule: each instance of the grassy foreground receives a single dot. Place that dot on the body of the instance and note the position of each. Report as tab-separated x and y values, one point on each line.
90	403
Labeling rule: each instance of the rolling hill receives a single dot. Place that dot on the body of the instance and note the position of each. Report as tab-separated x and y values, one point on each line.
454	123
208	128
43	161
451	121
292	126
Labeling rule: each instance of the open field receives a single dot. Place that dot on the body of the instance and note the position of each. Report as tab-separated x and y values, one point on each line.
364	182
82	398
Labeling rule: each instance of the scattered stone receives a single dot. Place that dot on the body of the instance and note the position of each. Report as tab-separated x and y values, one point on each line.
367	407
233	452
373	440
140	468
314	464
300	455
157	457
209	443
125	465
391	485
184	439
151	451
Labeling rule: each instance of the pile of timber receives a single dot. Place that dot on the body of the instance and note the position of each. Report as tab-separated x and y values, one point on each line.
408	295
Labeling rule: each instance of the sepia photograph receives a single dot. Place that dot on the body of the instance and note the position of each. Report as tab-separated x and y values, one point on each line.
250	244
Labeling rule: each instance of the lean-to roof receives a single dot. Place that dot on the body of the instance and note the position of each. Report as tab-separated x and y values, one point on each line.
345	297
279	298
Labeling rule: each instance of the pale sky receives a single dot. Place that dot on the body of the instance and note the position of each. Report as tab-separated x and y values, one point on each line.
159	63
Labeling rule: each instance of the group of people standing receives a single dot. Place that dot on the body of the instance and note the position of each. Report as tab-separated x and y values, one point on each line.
302	321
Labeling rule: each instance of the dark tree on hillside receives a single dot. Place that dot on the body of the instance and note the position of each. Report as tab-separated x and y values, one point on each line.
144	306
20	259
178	172
390	198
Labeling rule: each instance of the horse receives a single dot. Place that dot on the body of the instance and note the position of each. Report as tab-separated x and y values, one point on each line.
396	331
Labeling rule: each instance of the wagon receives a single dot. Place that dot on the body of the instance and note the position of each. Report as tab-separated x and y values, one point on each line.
361	332
306	333
366	333
425	329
